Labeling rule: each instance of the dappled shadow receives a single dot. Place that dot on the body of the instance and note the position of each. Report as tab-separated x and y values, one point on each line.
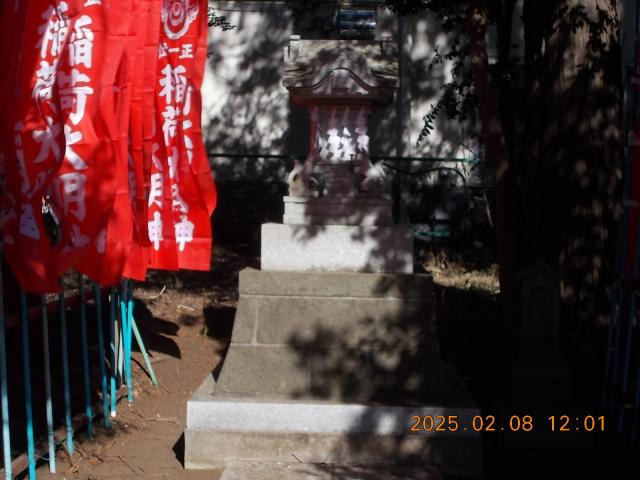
380	348
248	110
372	359
574	169
156	332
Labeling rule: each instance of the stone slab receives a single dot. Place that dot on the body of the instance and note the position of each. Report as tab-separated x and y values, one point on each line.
223	430
246	320
273	371
337	248
340	374
335	284
289	320
209	411
368	218
300	320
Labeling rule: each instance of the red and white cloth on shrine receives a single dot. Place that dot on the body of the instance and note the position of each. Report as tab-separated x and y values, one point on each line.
101	130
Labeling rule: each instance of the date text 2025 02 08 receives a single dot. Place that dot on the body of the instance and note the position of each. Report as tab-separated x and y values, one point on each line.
515	423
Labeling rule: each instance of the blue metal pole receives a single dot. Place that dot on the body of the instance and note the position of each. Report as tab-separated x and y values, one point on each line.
123	335
6	432
121	354
26	363
47	385
143	349
103	372
85	357
65	371
112	349
129	338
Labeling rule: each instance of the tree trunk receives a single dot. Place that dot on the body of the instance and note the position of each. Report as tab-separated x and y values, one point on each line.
573	179
496	152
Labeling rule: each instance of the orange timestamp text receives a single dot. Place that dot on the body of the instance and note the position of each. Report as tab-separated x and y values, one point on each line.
514	423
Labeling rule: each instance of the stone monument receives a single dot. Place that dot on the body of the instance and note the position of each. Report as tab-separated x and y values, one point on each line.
334	348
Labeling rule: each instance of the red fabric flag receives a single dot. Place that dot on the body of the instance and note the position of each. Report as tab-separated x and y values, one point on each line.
114	241
60	140
182	193
86	185
141	128
22	181
102	164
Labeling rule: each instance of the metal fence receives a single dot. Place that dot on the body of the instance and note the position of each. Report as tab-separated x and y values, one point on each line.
94	308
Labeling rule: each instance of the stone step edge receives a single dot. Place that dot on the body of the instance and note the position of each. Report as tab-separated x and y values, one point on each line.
242	415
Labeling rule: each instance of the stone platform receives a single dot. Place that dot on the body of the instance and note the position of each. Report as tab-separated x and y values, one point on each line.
337	248
329	368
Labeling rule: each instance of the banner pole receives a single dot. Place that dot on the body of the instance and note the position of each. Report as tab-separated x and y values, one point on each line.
85	357
112	349
47	384
101	357
129	338
143	349
123	334
65	370
6	431
26	364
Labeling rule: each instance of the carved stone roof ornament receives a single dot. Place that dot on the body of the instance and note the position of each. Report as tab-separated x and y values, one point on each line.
336	72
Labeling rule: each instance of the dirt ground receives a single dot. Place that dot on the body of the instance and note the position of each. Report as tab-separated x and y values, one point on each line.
186	332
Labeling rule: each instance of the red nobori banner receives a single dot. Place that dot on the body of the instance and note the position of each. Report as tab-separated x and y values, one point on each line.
114	241
23	235
102	164
60	184
180	200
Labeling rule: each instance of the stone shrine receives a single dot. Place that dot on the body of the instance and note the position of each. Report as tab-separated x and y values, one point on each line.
334	346
337	216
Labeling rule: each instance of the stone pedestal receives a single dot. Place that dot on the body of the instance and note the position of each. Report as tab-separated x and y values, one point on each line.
330	368
337	248
328	364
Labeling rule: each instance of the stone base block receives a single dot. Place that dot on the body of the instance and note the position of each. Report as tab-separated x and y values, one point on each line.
337	248
329	368
336	335
221	431
338	210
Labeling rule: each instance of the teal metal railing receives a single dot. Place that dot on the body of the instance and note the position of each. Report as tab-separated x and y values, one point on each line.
111	376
